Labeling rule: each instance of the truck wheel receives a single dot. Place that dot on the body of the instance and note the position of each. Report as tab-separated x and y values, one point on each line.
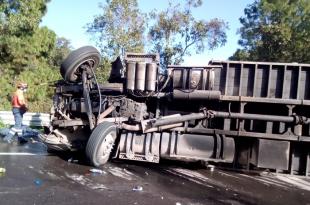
100	143
69	68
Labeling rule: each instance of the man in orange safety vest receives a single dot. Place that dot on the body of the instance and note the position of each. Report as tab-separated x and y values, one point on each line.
19	108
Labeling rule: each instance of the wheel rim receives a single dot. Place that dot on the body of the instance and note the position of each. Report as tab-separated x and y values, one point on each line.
106	147
77	73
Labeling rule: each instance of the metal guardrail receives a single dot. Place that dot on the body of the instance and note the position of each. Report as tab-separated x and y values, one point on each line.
29	119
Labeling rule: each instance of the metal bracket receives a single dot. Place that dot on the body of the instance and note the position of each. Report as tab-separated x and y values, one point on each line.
87	101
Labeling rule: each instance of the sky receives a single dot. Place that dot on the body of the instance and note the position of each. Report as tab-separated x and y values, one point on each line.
69	18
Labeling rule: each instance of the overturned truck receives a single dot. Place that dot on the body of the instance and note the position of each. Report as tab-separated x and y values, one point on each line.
247	114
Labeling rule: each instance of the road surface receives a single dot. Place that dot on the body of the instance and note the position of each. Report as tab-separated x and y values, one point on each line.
35	177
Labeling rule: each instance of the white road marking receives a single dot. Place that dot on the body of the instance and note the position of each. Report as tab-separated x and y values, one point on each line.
22	154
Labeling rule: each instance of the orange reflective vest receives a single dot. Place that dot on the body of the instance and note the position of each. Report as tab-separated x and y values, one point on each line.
18	99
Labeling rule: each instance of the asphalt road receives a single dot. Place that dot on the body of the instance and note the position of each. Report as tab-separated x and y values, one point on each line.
35	177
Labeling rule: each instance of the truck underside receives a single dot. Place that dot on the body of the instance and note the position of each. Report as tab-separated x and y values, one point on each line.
247	114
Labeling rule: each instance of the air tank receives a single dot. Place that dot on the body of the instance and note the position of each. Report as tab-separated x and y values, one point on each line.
151	73
130	75
140	76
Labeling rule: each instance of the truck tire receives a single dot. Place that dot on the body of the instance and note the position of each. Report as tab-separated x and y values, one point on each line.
100	143
69	67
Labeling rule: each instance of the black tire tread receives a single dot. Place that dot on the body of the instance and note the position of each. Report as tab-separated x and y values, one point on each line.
95	139
74	57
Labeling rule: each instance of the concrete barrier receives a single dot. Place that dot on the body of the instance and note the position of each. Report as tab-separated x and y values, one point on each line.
30	119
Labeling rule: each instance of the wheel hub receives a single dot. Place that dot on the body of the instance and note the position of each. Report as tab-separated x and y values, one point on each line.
107	145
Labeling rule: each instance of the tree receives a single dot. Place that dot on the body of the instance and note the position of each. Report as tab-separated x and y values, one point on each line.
26	50
275	30
62	49
176	33
23	44
39	94
173	33
120	28
21	17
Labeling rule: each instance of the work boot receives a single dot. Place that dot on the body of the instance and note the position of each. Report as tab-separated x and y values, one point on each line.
8	139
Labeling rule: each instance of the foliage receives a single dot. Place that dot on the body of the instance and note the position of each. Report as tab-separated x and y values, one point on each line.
2	124
275	30
103	70
28	53
62	49
173	33
177	33
40	91
22	42
119	28
7	87
21	17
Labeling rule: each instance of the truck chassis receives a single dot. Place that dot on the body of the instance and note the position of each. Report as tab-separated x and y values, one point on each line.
246	114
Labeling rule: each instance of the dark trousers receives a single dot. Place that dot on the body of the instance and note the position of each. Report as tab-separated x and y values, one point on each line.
18	117
17	128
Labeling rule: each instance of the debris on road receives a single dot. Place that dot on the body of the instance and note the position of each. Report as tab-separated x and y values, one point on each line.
71	160
52	178
211	167
137	188
99	187
97	171
38	182
121	173
2	170
28	134
83	180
